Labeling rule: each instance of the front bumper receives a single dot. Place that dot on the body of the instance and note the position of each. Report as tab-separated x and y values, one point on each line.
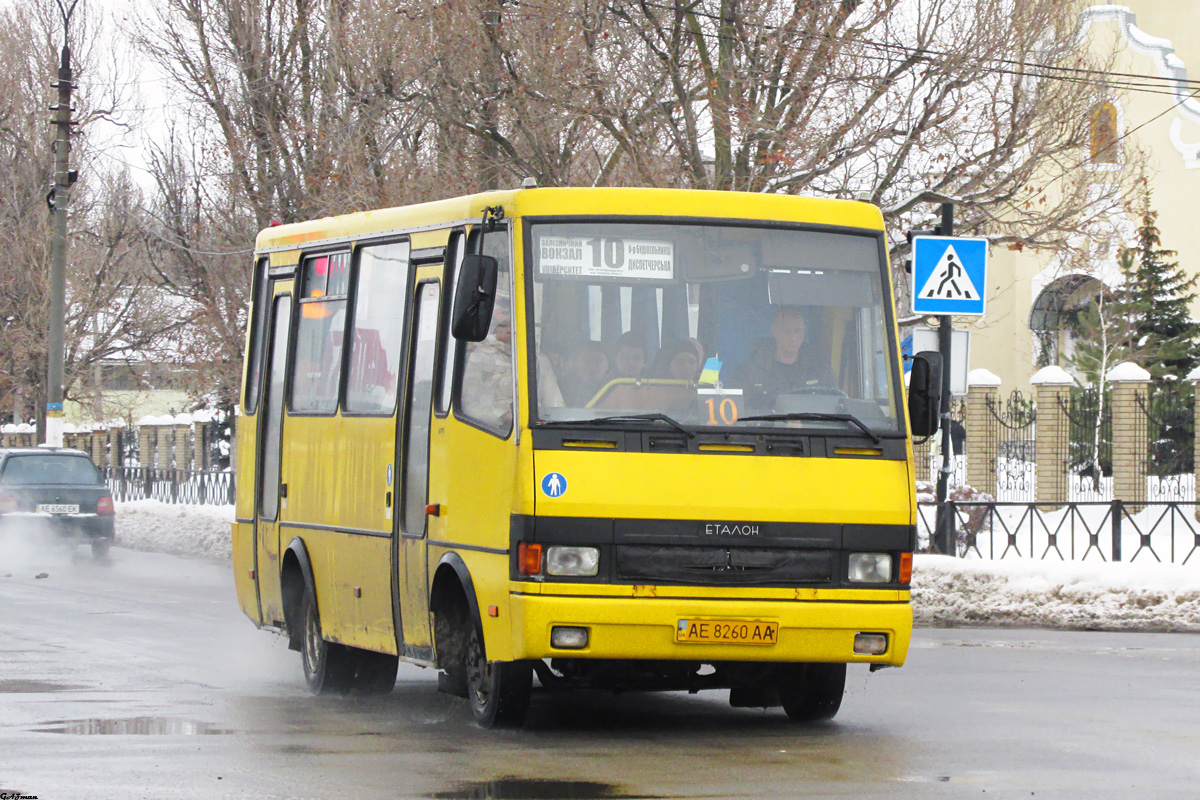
644	628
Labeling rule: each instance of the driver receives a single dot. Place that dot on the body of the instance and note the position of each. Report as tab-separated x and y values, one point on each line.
785	362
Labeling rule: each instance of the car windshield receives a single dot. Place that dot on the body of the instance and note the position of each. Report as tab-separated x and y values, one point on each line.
32	470
710	324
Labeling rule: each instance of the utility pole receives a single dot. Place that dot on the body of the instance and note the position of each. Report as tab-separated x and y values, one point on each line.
59	198
945	528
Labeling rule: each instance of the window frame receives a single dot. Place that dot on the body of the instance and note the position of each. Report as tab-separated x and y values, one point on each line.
879	236
460	355
299	302
352	319
255	336
447	371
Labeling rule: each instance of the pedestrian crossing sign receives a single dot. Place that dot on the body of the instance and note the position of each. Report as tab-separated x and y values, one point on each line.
949	275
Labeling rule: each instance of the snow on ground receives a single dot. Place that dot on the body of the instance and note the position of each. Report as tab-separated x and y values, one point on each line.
181	530
1075	595
1087	595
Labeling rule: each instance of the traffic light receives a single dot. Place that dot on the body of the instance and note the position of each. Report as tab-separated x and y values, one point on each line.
913	234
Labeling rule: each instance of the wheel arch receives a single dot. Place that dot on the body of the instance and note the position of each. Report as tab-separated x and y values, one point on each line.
295	577
452	580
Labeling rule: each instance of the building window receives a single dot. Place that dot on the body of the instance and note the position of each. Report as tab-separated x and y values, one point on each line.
1105	141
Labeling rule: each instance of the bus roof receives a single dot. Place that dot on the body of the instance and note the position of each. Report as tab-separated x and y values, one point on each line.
670	203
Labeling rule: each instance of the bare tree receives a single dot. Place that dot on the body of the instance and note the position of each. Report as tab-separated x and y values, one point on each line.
104	312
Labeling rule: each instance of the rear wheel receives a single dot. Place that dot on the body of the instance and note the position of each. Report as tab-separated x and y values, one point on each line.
329	668
498	691
811	692
100	548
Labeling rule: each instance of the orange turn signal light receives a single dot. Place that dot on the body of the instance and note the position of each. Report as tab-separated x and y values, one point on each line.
906	567
529	558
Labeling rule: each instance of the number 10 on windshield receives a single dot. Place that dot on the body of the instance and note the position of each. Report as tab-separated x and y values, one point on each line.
596	257
721	410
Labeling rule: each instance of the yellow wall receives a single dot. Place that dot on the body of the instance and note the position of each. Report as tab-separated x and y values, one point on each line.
1001	342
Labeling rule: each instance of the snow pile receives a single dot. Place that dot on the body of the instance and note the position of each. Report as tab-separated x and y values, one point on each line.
181	530
1089	595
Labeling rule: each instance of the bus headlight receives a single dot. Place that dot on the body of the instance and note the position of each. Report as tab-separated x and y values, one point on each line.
576	562
870	568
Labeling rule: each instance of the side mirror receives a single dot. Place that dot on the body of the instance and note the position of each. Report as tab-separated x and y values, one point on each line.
925	393
474	298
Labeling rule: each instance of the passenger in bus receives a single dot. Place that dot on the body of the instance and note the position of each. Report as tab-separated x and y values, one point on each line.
785	363
629	358
549	395
487	388
678	360
584	375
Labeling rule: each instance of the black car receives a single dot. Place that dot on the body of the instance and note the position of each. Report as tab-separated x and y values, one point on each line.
55	489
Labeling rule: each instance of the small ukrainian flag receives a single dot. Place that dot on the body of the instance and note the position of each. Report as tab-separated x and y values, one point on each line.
711	371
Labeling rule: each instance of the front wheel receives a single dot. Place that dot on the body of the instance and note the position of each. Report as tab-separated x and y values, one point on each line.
329	667
498	691
811	692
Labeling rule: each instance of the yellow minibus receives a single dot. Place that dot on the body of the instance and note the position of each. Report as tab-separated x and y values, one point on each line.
581	439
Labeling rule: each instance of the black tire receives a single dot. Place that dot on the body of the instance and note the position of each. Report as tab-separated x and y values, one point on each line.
812	692
376	672
100	549
498	691
329	668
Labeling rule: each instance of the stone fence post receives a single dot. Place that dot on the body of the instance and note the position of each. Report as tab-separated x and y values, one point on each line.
983	390
165	430
99	451
147	432
1131	431
183	441
202	427
1052	389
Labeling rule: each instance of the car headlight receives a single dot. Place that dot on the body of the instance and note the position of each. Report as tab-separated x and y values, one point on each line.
870	568
578	562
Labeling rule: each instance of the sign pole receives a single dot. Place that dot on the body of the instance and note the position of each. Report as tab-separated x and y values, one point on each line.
945	535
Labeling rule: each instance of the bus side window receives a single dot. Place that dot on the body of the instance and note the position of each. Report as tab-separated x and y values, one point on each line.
258	336
320	334
486	395
449	349
380	297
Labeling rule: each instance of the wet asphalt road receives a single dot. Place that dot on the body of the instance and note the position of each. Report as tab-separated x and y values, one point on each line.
140	678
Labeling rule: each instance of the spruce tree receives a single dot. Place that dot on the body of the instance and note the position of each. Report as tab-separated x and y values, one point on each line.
1161	295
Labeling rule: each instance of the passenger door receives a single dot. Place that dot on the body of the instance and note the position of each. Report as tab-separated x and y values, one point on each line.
413	457
267	487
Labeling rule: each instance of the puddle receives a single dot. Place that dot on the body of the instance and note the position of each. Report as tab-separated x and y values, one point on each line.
525	789
133	726
36	687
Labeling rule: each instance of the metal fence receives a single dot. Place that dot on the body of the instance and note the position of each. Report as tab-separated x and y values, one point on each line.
1010	429
1087	415
1163	532
171	485
1171	427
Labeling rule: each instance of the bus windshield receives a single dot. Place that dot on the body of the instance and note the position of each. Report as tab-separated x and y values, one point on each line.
711	325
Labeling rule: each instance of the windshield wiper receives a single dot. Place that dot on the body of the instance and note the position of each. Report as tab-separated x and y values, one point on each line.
812	415
652	417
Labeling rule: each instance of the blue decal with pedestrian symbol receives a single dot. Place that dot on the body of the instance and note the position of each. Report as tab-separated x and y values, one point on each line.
554	484
949	275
